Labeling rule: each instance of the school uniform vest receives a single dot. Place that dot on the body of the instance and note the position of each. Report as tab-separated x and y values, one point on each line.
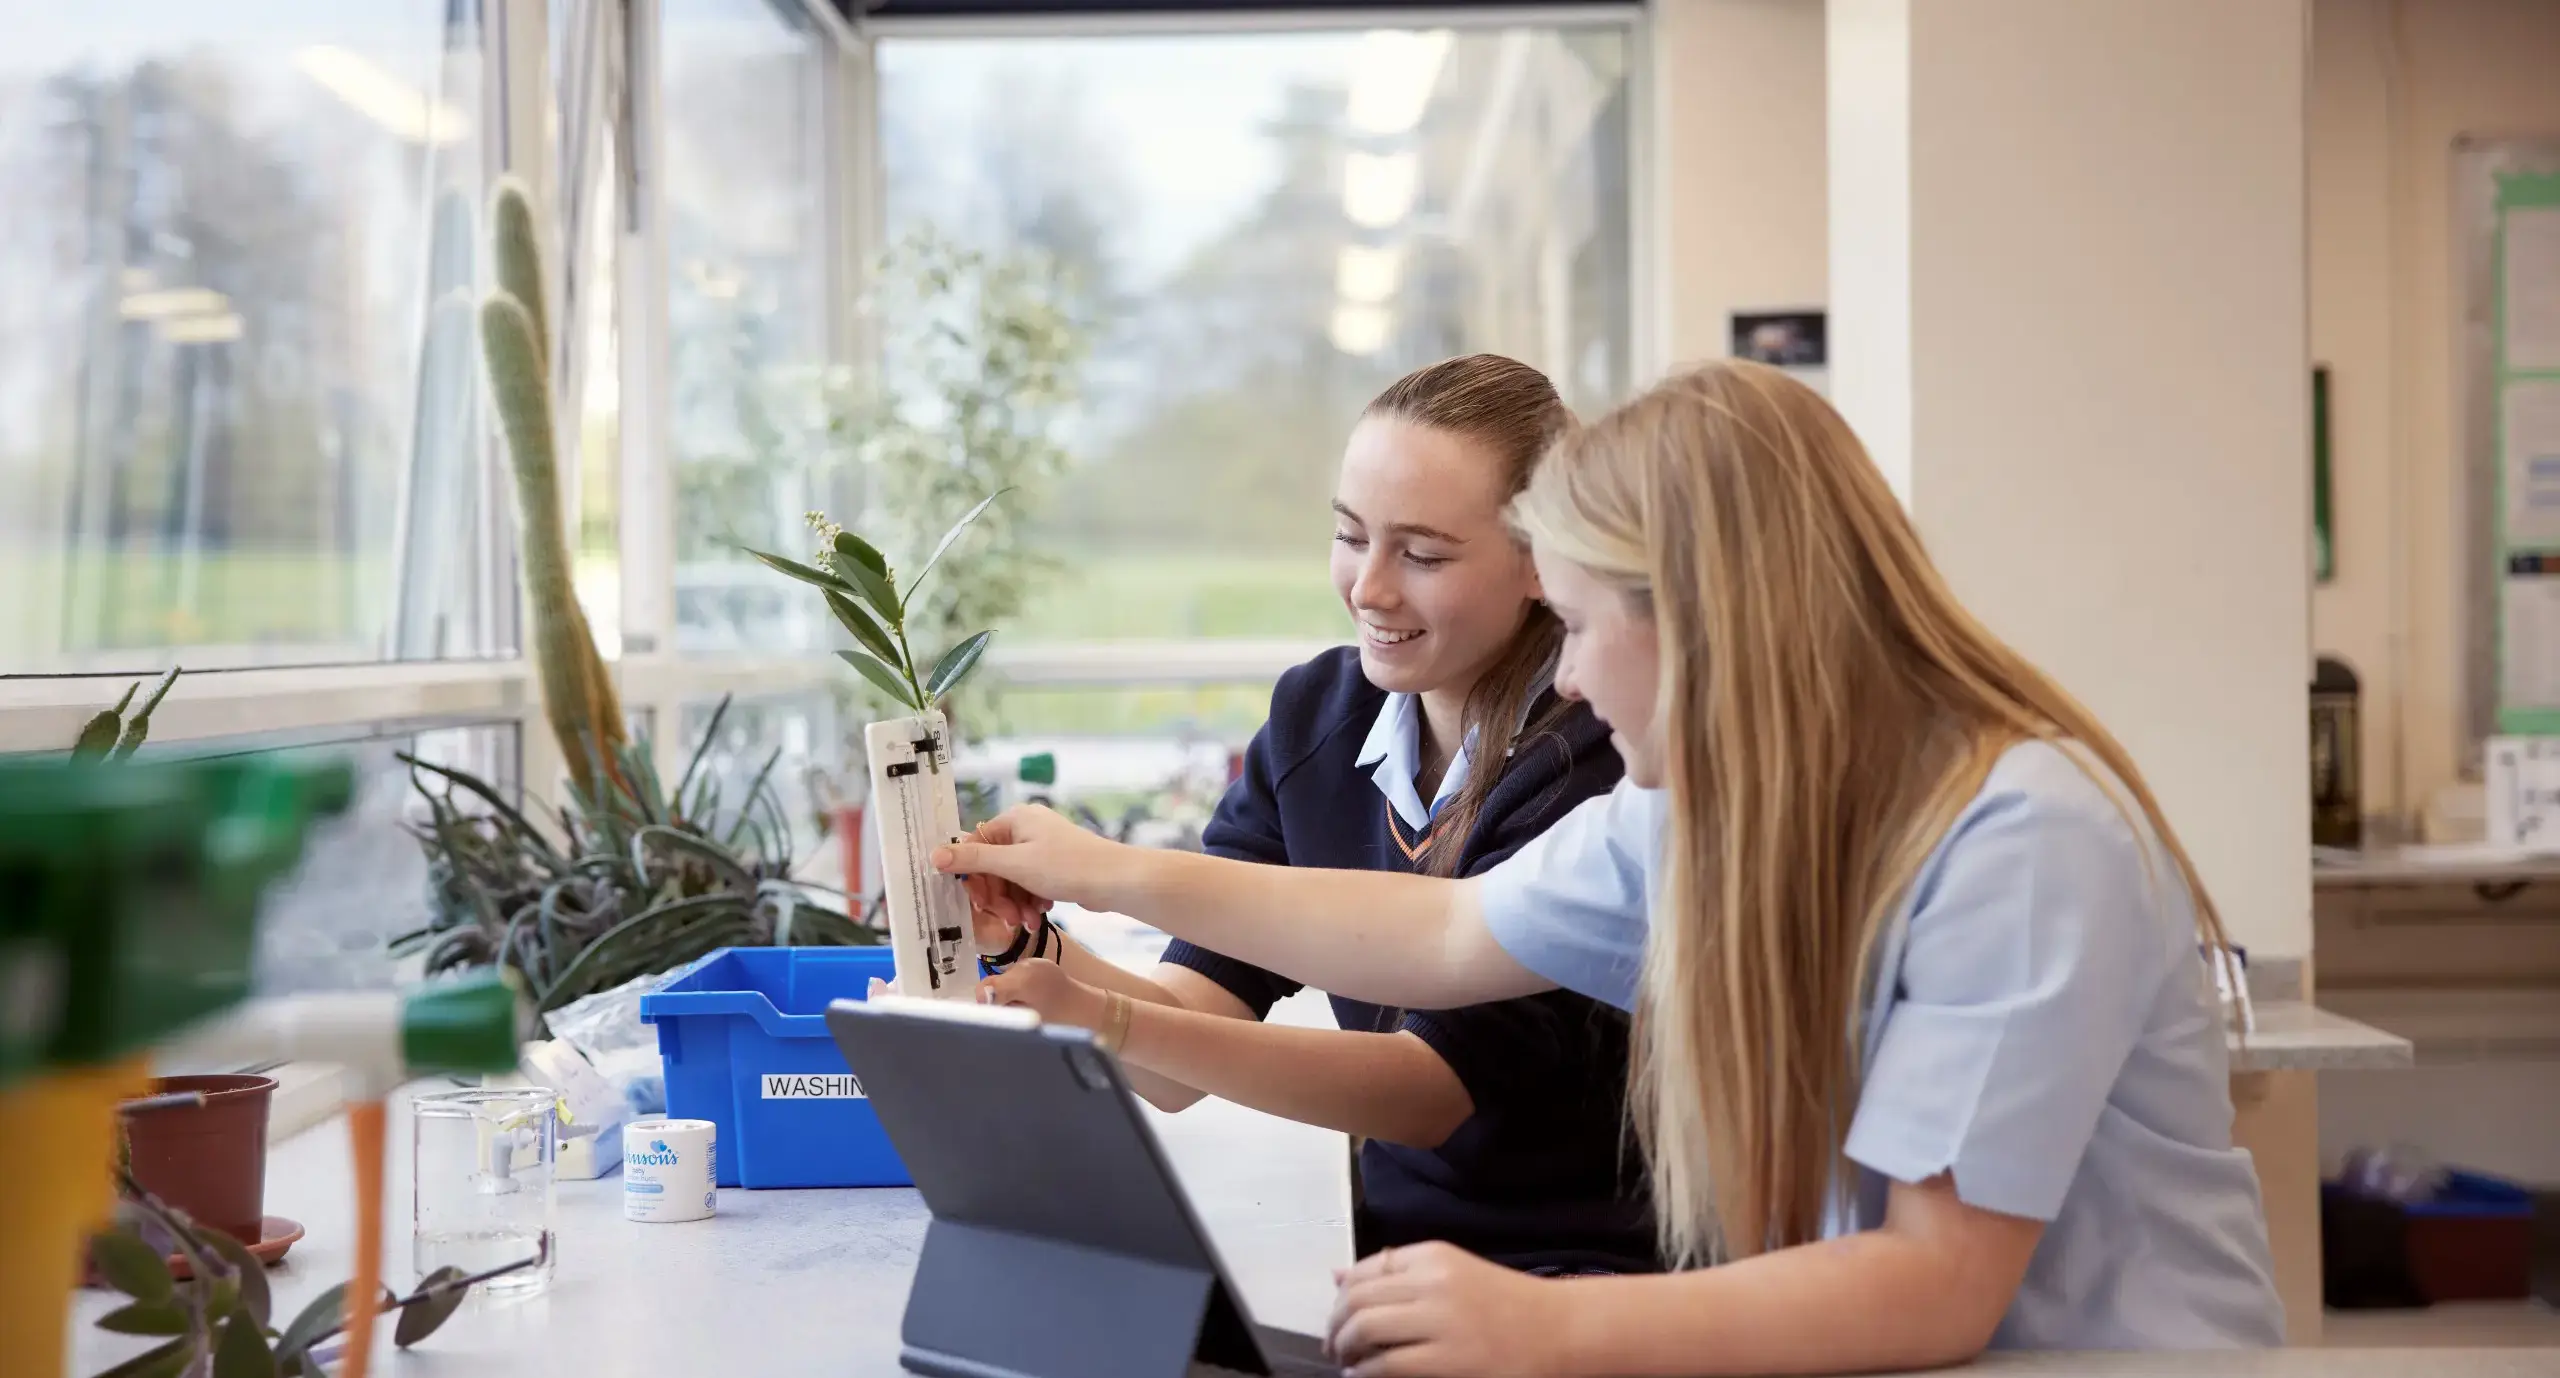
1543	1173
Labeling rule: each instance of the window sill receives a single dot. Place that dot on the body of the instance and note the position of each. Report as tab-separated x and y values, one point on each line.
308	1094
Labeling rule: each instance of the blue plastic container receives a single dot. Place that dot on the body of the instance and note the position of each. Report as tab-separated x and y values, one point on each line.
744	1035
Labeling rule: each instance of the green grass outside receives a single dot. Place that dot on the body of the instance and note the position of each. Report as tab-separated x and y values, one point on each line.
287	598
142	602
1172	597
1168	597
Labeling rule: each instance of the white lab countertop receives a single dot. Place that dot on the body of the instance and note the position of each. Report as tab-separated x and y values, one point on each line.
2292	1035
784	1283
788	1283
778	1283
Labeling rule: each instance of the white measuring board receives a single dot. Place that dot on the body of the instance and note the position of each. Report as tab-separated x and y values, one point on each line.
915	799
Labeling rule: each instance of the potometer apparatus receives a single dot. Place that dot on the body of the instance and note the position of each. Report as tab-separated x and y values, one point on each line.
915	796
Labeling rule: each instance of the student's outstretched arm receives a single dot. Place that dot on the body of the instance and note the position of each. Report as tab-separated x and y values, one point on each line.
1411	941
1388	1086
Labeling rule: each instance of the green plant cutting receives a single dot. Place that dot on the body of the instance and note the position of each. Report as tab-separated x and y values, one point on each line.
218	1320
980	362
862	592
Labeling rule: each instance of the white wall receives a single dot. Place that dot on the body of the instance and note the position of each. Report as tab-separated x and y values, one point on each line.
1740	122
2102	330
1739	128
2394	82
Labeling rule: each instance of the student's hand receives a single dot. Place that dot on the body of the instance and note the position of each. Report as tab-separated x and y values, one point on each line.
1042	985
1435	1309
1025	858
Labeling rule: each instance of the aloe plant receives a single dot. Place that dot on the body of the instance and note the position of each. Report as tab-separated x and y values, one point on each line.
111	736
635	878
862	591
218	1320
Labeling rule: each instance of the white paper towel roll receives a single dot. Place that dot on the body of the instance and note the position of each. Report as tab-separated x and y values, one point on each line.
670	1169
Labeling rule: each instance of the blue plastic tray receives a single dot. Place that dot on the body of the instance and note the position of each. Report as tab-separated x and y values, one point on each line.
744	1036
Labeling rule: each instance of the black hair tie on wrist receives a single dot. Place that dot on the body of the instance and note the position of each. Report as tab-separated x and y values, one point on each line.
1021	939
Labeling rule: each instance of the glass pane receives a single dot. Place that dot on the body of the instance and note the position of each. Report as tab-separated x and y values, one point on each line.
1221	712
232	429
363	878
809	755
597	559
585	157
1270	228
747	310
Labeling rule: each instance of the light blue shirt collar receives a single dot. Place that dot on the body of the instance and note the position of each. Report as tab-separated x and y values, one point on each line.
1394	749
1393	754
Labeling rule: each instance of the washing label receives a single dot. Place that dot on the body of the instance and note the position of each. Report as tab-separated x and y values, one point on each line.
841	1086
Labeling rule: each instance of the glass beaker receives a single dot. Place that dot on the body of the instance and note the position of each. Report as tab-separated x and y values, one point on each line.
481	1183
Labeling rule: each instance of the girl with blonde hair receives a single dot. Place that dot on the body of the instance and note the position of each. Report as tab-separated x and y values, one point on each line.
1926	1049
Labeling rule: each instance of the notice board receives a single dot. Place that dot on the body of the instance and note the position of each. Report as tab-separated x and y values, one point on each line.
2508	218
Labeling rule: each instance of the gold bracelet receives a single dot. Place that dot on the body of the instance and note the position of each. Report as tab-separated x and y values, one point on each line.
1116	1014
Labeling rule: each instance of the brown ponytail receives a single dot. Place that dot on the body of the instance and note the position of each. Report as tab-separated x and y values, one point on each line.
1514	411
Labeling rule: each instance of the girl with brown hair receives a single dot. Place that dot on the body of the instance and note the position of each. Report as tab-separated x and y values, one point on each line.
1437	747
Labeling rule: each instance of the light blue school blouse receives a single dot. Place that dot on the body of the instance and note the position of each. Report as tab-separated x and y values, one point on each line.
2041	1027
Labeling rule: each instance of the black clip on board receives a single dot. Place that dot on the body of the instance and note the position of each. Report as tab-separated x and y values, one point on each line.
1061	1245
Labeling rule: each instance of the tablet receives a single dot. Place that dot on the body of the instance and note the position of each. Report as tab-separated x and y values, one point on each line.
1062	1244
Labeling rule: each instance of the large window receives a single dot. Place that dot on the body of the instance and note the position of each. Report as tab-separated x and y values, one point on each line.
1268	228
747	311
243	426
223	414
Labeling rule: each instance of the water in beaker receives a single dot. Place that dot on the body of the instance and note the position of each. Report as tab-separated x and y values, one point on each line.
482	1184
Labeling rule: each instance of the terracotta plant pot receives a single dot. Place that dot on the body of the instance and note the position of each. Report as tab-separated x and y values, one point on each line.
210	1160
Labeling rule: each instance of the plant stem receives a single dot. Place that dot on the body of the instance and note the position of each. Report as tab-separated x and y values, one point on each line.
541	1252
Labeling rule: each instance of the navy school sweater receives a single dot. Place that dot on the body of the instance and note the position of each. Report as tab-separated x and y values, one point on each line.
1543	1174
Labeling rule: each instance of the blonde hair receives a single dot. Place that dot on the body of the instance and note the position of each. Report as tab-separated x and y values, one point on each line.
1826	710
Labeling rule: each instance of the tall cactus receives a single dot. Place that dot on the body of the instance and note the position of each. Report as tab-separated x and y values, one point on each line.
515	340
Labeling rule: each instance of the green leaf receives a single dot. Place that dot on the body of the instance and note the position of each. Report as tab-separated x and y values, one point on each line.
436	1299
321	1318
243	1352
755	790
950	536
146	1318
138	729
164	1362
98	736
955	666
255	1298
890	682
527	836
710	734
875	590
862	552
865	628
804	573
579	977
133	1267
658	836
